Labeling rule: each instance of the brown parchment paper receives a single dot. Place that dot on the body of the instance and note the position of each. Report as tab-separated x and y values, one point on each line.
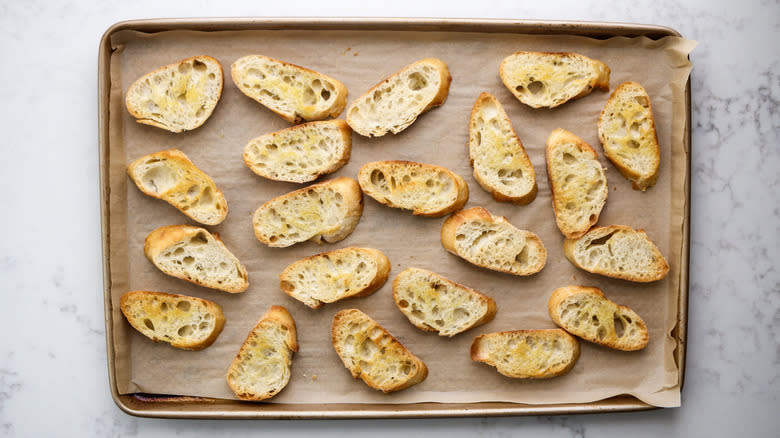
360	59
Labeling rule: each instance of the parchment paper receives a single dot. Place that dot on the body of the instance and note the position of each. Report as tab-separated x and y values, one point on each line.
360	59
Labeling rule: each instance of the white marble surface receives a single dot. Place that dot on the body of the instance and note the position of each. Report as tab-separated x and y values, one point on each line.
53	377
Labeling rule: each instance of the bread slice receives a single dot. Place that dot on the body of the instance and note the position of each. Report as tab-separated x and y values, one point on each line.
327	211
396	102
177	97
301	153
194	254
627	133
371	353
184	322
171	176
545	79
335	275
425	189
493	243
527	354
434	303
501	165
587	313
578	183
617	251
295	93
262	366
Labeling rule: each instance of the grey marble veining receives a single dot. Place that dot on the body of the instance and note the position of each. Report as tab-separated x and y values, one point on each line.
53	376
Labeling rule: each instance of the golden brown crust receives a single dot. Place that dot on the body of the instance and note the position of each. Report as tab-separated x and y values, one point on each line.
654	271
560	197
140	117
333	111
490	313
277	314
211	307
599	75
192	176
526	357
346	137
393	348
367	186
445	79
487	186
161	238
606	312
449	231
639	182
352	197
382	268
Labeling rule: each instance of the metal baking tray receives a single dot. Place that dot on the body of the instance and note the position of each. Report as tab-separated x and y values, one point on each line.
174	406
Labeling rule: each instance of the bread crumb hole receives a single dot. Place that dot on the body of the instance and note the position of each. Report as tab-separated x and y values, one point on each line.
184	306
568	158
148	323
198	65
633	144
460	237
619	329
642	100
416	81
199	239
522	256
535	87
602	332
403	304
163	307
286	285
188	260
325	94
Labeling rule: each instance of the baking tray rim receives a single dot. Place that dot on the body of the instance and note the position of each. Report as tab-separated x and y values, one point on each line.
165	406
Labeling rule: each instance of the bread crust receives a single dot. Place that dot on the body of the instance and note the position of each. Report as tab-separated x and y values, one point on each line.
366	185
656	271
374	331
525	162
155	314
337	162
598	76
481	352
449	231
192	175
490	313
560	196
610	338
140	117
639	181
441	96
281	316
352	197
161	238
332	111
379	279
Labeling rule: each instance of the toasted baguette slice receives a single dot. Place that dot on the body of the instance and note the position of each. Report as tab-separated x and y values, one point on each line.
585	312
301	153
177	97
544	79
171	176
371	353
627	133
501	165
425	189
328	211
262	366
396	102
617	251
195	255
578	183
335	275
295	93
436	304
184	322
527	354
493	243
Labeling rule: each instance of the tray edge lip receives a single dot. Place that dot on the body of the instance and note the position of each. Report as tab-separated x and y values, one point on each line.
561	26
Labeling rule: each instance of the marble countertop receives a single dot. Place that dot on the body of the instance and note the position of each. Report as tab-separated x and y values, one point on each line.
53	375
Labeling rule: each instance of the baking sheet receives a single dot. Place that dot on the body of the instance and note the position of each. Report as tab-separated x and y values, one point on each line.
360	59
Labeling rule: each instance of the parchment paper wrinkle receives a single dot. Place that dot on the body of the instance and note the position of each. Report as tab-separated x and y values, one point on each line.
360	60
